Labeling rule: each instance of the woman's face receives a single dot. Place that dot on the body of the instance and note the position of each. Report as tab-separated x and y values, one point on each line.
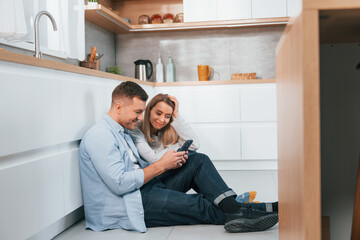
160	115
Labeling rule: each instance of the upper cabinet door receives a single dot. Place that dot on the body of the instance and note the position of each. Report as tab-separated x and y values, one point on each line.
233	9
294	7
200	10
268	8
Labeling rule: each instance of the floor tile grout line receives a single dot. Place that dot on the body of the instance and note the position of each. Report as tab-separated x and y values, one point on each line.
170	233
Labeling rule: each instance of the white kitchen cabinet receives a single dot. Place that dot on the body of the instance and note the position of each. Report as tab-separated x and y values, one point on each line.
219	142
31	197
200	10
268	8
233	9
207	104
258	103
259	141
294	7
236	124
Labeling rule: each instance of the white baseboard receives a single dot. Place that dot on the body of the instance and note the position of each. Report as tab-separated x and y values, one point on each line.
59	226
246	164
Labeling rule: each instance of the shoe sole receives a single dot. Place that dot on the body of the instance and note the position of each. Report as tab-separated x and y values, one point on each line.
251	225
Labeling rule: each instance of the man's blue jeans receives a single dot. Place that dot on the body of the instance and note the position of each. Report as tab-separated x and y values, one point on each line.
165	200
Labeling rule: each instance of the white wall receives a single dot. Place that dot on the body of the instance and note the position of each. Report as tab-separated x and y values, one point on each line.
340	134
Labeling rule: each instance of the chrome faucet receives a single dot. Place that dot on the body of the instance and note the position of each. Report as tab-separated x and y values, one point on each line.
36	30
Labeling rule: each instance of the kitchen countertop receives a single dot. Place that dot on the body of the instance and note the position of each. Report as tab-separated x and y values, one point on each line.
38	62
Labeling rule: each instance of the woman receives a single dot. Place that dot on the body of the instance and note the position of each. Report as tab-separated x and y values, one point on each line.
163	129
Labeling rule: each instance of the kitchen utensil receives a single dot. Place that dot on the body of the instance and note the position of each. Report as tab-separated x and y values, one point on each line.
93	54
204	72
143	69
99	56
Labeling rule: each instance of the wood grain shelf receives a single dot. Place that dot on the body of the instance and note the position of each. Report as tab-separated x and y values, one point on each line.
109	20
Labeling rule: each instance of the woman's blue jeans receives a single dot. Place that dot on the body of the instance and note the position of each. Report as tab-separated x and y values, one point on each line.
165	200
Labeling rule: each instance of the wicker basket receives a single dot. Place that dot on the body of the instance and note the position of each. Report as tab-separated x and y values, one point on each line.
243	76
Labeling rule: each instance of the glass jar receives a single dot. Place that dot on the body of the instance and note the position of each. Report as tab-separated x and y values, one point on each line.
168	18
156	18
179	18
144	19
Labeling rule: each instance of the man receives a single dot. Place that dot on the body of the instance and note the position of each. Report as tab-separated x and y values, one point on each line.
120	190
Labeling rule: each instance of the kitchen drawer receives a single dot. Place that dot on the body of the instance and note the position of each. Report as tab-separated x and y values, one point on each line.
258	103
219	142
259	141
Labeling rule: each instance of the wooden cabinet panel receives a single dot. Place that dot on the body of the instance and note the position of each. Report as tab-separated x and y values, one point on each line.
268	8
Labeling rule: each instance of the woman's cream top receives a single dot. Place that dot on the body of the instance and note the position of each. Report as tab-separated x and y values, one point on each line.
152	152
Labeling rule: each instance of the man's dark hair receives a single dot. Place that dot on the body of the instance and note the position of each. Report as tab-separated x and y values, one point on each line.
130	90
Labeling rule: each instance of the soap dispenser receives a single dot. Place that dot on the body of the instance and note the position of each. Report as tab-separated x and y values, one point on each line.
170	70
159	70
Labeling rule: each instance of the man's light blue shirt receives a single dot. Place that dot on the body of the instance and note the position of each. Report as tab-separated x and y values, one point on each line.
109	180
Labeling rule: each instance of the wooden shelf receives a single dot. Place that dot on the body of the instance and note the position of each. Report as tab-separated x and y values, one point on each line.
109	20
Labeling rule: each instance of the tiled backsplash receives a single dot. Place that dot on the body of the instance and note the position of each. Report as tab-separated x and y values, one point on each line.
103	40
227	51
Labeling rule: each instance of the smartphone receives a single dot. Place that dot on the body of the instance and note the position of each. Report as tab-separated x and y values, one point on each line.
185	146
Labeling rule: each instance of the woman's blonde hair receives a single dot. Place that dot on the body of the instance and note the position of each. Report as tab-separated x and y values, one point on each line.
169	135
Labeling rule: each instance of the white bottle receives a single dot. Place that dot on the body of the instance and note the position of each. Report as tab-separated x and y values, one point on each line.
159	71
170	71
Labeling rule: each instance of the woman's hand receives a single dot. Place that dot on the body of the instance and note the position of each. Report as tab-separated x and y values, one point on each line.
176	110
172	160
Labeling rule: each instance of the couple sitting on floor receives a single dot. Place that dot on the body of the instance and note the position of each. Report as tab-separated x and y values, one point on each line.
133	177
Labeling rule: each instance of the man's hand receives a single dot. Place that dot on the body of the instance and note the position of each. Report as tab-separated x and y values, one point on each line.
170	160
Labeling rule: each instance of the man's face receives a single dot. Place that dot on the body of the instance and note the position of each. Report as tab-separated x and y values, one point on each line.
130	112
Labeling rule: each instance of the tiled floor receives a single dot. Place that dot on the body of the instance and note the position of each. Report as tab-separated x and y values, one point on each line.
264	182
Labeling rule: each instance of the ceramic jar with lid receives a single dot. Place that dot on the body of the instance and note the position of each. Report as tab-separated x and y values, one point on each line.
168	18
144	19
156	18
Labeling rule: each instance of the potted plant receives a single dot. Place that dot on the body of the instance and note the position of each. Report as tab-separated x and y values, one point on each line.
92	2
114	69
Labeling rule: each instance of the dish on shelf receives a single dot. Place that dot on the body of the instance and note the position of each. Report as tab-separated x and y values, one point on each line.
156	18
144	19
